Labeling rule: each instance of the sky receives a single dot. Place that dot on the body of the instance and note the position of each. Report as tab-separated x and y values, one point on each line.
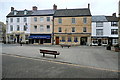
97	7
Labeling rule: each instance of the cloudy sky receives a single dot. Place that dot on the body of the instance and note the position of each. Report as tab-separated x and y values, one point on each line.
98	7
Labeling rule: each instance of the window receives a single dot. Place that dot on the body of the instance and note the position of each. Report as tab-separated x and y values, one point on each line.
35	19
25	19
41	28
48	28
99	31
18	19
104	41
114	31
18	28
63	39
41	19
59	29
94	41
85	20
99	24
11	20
75	39
35	27
114	23
84	29
115	41
60	21
73	29
73	20
48	19
11	27
69	39
47	40
25	27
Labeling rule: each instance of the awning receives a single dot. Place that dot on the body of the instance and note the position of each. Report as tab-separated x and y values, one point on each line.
40	37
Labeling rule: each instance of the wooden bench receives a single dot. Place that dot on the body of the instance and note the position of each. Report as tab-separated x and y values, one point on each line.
65	46
49	52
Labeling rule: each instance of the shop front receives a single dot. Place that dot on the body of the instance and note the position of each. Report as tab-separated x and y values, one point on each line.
44	39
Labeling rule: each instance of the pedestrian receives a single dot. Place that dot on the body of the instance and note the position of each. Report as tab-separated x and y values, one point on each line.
21	41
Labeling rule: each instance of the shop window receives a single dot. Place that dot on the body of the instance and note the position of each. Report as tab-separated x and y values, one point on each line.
69	39
75	39
94	41
104	41
47	41
63	39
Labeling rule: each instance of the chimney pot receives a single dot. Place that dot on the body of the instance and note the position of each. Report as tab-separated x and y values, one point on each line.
12	8
114	14
88	6
34	8
54	7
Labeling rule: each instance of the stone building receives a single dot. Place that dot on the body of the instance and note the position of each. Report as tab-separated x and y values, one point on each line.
72	26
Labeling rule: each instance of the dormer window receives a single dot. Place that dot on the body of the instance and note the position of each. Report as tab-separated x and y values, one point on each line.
25	12
15	12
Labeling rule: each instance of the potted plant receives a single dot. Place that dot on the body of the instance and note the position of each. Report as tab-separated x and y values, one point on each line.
117	48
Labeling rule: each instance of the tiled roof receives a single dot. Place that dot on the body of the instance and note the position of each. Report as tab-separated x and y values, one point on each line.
112	18
19	13
99	19
43	12
72	12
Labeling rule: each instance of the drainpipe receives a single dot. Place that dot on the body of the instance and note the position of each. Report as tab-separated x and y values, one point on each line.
53	31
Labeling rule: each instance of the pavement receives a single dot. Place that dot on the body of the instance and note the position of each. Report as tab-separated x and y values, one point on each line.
87	56
17	67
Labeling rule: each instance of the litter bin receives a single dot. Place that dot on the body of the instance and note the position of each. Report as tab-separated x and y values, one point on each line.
108	47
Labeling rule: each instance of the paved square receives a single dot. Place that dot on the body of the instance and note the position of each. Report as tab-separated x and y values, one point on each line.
90	56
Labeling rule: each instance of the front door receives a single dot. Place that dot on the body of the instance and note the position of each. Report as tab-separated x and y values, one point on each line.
83	41
57	40
41	41
99	42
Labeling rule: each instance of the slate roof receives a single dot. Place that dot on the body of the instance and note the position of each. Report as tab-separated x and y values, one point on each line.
43	12
112	18
99	19
19	13
72	12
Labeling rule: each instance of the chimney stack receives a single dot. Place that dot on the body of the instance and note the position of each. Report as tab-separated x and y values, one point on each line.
54	7
34	8
88	6
12	8
114	15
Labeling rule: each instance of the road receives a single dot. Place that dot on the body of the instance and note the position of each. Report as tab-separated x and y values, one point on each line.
24	67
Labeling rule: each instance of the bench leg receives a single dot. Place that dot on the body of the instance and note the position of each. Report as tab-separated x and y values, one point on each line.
55	56
43	55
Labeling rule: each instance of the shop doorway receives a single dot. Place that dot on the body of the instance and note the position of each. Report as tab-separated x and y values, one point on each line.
99	42
83	41
41	41
57	40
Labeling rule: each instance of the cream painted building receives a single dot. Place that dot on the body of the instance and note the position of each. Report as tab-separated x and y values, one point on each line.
18	25
41	27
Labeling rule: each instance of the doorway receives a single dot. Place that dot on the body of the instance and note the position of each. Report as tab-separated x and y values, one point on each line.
18	37
99	42
57	40
83	41
41	41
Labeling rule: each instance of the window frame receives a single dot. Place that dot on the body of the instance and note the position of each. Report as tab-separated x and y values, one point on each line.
100	34
73	21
